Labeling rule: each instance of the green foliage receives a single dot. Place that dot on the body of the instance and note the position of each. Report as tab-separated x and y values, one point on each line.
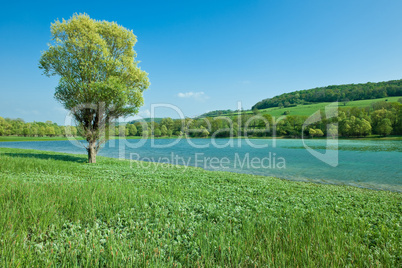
312	132
121	131
204	132
354	120
384	127
132	130
167	122
50	131
215	113
333	131
164	130
354	127
99	77
343	93
157	132
255	111
17	127
367	115
147	120
59	211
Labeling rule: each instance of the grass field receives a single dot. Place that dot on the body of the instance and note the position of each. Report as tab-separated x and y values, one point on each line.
309	109
56	210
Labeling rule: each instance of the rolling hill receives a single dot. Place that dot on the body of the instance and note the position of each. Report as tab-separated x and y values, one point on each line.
348	92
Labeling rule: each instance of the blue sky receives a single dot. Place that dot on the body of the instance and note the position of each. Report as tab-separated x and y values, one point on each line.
208	55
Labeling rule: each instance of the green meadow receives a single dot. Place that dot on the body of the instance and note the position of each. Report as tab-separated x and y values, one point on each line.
309	109
57	210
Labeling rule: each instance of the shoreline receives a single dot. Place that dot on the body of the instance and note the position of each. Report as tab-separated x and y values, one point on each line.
22	139
353	184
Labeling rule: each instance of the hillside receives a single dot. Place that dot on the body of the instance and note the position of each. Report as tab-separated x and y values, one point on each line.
156	120
309	109
348	92
215	113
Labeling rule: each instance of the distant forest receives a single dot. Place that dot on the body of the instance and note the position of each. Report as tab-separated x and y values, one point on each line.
341	93
215	113
380	118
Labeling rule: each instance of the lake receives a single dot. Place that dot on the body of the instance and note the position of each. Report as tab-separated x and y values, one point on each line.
364	163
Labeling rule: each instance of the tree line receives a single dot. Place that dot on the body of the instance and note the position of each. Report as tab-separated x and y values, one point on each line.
18	127
341	93
381	118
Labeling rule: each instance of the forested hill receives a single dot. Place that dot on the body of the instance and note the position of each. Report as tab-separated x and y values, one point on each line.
349	92
215	113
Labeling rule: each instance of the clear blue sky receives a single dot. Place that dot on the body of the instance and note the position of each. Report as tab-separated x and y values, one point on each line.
207	55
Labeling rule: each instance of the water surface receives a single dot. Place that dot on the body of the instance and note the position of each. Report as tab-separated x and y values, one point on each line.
364	163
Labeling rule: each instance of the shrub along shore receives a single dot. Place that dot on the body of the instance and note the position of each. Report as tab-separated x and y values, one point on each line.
16	138
58	210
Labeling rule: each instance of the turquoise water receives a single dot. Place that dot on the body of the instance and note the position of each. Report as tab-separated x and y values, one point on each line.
365	163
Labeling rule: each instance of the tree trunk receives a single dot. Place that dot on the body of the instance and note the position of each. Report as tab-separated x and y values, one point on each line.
91	152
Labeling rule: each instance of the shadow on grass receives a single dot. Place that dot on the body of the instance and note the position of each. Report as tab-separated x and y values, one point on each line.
58	157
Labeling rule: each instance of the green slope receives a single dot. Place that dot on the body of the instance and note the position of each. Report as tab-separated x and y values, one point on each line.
363	91
309	109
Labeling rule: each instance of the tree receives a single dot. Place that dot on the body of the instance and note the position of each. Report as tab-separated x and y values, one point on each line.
50	131
333	131
315	132
168	122
70	131
164	130
132	130
319	133
345	101
311	132
122	130
384	127
26	131
255	110
41	131
204	132
365	127
157	132
377	118
99	77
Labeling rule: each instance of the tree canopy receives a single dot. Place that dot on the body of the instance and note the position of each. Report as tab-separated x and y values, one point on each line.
99	77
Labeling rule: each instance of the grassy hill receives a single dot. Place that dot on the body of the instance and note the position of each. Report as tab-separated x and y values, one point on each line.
309	109
59	211
364	91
